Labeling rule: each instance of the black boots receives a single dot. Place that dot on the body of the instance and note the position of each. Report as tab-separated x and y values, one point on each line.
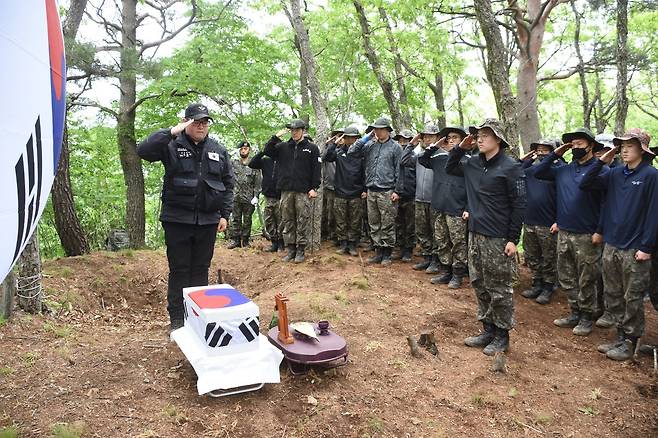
500	343
624	351
621	338
342	247
484	338
570	321
406	254
299	254
424	264
351	249
535	291
386	256
282	245
274	247
234	244
434	267
546	293
377	257
291	254
584	326
443	278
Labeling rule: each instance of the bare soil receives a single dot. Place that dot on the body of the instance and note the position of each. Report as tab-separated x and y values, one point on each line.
100	363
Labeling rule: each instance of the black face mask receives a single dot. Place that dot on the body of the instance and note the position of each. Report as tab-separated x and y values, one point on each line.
579	153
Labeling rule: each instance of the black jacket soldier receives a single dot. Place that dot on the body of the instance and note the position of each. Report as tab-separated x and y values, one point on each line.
382	159
299	165
272	210
197	196
495	187
247	188
405	220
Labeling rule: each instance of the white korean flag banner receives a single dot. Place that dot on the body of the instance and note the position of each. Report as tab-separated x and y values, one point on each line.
33	79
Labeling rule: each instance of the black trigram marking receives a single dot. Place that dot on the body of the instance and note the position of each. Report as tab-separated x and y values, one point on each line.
28	192
250	329
220	336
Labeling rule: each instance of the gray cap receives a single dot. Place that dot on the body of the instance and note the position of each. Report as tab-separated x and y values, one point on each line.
382	122
296	124
405	133
605	140
430	129
548	142
351	131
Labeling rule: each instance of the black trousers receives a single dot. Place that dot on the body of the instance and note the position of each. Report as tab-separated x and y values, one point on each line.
189	252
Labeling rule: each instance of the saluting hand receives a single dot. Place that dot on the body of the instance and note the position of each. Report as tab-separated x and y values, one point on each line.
340	140
439	143
562	149
175	130
414	141
467	142
282	132
609	156
528	155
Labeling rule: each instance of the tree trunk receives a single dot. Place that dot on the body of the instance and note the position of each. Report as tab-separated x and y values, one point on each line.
29	292
319	108
587	111
67	224
7	291
303	83
460	108
622	67
439	100
130	161
498	72
373	59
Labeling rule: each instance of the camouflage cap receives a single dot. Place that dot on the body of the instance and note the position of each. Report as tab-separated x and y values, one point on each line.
495	126
382	122
585	133
548	142
430	129
351	131
337	131
606	140
405	133
297	124
637	134
456	129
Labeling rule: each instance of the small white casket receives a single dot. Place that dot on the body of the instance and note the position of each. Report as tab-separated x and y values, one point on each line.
224	320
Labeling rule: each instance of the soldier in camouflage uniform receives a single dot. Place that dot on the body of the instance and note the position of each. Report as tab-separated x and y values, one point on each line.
630	226
299	169
406	189
381	156
272	210
328	223
495	187
247	188
578	243
350	189
449	203
540	237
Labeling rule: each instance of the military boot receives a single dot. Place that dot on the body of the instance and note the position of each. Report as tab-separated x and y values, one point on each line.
434	267
351	248
484	338
605	321
624	351
620	339
234	244
546	293
274	247
569	321
377	257
342	248
397	254
500	343
282	245
406	254
424	264
386	256
245	241
299	254
535	290
443	278
456	282
292	250
584	326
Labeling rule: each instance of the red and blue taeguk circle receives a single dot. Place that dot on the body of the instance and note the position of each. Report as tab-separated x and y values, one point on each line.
217	298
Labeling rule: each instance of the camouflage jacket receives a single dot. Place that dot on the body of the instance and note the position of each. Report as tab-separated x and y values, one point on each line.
247	182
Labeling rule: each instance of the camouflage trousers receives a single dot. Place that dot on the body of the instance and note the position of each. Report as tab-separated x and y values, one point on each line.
579	267
381	218
653	286
424	224
328	215
365	226
348	215
272	218
296	217
405	229
625	280
241	222
450	234
493	276
540	247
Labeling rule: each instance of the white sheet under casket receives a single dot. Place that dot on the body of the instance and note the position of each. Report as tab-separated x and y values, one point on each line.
230	370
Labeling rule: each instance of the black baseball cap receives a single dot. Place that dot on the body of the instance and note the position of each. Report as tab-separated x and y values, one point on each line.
197	111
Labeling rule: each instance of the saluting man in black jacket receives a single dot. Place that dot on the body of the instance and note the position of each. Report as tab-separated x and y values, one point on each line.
197	199
299	167
496	199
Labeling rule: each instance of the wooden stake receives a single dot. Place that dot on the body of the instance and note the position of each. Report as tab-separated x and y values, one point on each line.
281	306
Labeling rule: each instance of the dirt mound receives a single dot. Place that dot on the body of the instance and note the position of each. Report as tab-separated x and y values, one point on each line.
101	364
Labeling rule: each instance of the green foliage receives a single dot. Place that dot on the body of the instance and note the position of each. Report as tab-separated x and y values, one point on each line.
9	432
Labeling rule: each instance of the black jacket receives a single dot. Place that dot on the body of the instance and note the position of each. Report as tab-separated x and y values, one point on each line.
448	191
269	170
349	181
198	180
495	191
406	184
299	165
542	196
